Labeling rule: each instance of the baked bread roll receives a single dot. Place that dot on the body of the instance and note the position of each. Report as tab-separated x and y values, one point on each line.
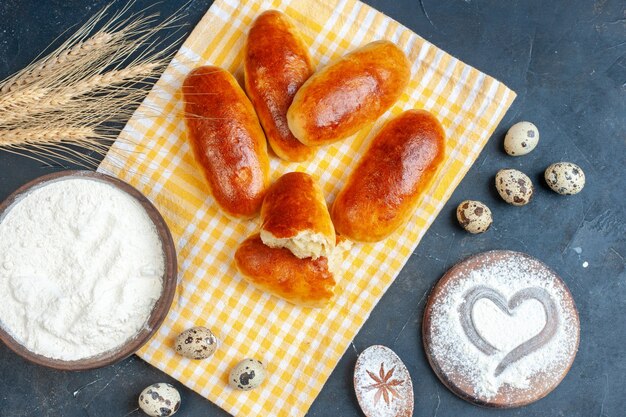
305	282
294	216
276	64
389	179
227	141
349	94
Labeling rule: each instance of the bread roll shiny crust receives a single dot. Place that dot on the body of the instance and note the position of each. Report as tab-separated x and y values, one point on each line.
276	64
305	282
349	94
384	188
226	139
294	215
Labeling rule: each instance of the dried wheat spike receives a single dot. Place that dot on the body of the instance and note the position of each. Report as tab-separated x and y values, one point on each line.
55	62
79	95
43	136
47	99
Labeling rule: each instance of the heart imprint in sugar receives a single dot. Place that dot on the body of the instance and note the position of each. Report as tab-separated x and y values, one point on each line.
501	329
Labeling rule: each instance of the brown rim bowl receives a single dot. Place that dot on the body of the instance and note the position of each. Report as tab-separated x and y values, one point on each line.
162	305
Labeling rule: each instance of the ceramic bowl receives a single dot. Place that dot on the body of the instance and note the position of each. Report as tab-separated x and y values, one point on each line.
161	306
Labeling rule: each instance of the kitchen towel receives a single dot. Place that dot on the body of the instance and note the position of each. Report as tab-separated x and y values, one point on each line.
299	346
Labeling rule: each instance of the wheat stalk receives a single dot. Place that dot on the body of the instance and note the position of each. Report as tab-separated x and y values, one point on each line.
107	80
73	102
49	145
42	99
56	62
30	136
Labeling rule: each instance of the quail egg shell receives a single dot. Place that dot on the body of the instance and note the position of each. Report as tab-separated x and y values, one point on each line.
159	400
474	216
565	178
196	343
247	375
514	187
521	139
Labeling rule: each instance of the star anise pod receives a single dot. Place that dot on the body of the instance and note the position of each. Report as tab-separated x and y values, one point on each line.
384	385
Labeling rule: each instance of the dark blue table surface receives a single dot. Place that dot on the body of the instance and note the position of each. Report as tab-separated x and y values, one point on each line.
567	62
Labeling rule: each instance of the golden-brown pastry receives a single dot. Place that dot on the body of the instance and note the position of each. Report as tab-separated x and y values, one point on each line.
276	64
305	282
384	188
227	141
294	215
349	94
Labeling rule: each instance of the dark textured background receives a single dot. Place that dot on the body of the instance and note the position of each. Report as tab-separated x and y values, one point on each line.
567	62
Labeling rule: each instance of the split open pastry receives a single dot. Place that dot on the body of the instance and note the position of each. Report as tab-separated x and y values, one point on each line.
294	216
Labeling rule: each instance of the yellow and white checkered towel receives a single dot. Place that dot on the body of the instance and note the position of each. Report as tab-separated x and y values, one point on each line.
299	346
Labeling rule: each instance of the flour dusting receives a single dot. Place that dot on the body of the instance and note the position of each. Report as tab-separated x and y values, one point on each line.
383	384
453	350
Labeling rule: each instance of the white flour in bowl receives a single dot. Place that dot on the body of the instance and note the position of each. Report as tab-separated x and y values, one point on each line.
81	268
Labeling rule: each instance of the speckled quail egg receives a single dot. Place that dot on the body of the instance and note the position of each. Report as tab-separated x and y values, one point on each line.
474	216
247	375
565	178
514	187
521	139
159	400
196	343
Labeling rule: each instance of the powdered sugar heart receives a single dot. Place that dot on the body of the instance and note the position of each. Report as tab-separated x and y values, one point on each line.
471	320
505	330
524	333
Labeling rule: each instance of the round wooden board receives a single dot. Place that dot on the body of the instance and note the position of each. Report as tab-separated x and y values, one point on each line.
455	377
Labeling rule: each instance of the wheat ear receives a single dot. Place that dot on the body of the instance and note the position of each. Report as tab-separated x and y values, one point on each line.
47	99
30	136
79	96
80	50
48	145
